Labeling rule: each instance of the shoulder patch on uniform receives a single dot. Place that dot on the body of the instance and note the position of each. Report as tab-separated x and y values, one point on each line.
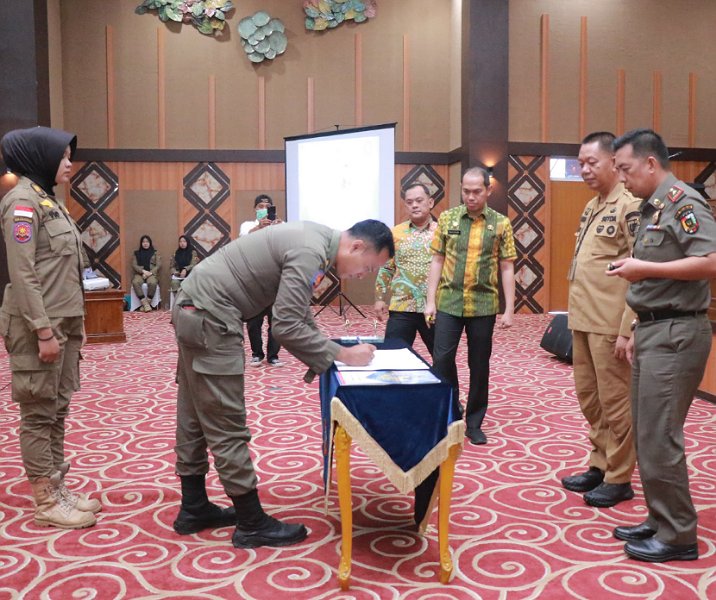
687	218
22	232
23	213
39	190
675	194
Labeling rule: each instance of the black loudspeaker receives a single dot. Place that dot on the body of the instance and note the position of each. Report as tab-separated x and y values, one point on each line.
557	339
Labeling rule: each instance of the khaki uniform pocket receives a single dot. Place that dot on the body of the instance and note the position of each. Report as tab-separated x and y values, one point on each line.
32	379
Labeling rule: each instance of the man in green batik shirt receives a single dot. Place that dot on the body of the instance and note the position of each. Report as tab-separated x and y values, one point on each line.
470	243
405	276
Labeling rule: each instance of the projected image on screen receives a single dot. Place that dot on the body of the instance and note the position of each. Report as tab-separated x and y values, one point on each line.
341	177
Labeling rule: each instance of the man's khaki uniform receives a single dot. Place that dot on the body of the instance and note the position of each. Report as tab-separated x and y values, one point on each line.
672	345
45	260
279	266
597	315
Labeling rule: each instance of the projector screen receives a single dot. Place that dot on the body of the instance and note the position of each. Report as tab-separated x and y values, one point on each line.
341	177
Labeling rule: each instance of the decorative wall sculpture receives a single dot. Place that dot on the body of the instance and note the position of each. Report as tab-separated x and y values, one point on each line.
208	16
327	14
262	37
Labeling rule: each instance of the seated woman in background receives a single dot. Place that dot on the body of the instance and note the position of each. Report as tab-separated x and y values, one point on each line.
145	265
182	262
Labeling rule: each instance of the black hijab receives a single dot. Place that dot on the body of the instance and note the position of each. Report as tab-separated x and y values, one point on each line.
182	257
144	257
36	153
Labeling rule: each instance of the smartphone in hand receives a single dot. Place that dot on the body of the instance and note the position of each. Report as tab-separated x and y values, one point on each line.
271	214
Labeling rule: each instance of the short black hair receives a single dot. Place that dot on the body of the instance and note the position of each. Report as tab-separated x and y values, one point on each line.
604	138
478	172
645	143
262	198
412	185
374	233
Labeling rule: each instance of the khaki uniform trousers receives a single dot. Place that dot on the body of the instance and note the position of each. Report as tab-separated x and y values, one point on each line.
43	390
211	412
670	361
151	281
602	383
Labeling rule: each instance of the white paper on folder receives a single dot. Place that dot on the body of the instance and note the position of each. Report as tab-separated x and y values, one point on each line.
389	360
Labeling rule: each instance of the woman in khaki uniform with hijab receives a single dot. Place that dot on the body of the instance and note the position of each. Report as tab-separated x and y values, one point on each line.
42	316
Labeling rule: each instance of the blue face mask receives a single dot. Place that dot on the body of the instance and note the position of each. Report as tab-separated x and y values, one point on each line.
261	213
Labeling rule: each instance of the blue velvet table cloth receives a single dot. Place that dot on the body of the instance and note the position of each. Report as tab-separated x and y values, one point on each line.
407	422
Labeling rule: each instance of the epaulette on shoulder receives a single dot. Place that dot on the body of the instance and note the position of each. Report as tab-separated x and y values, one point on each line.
675	194
40	192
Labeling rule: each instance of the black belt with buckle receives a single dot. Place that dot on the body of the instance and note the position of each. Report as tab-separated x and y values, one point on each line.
660	315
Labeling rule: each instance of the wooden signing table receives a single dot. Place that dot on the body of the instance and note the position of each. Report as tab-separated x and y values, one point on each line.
409	431
104	316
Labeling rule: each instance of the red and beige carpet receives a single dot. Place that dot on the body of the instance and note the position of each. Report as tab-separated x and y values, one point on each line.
515	533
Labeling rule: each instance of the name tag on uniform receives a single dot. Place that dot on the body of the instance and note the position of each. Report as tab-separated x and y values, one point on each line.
453	232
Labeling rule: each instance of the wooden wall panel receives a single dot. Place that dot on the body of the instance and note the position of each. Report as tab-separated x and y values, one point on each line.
614	42
567	200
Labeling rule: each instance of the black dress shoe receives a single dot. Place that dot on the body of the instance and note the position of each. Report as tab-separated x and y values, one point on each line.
583	482
654	550
635	533
609	494
477	437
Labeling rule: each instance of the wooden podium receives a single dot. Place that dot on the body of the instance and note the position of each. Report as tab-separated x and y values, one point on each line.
104	320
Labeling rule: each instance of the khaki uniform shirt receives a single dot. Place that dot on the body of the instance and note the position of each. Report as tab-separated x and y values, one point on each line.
676	222
606	233
44	256
279	265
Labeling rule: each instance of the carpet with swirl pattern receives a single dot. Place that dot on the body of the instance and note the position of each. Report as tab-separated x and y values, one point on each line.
514	532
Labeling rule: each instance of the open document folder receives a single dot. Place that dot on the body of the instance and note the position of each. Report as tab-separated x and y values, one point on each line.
389	360
386	377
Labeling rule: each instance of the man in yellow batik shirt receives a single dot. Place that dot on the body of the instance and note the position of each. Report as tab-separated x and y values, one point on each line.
405	277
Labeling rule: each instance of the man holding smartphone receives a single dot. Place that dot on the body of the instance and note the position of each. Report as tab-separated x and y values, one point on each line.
265	216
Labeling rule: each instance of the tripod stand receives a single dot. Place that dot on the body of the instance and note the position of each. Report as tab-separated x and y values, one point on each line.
341	309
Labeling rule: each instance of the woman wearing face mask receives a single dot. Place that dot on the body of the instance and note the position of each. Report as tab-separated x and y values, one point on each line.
42	315
145	264
182	262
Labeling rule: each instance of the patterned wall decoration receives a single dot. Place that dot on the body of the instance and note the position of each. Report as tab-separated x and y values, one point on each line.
527	176
94	187
206	189
429	177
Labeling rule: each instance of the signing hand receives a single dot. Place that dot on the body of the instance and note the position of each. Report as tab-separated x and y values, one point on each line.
356	356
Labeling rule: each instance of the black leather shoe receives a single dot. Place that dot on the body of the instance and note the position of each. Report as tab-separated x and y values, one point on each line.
271	533
583	482
609	494
654	550
635	533
212	517
477	437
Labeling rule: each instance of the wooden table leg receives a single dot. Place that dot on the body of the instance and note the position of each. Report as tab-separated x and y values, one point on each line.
447	470
343	466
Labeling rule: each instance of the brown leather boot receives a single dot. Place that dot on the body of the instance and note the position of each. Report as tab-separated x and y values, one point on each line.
52	510
78	501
